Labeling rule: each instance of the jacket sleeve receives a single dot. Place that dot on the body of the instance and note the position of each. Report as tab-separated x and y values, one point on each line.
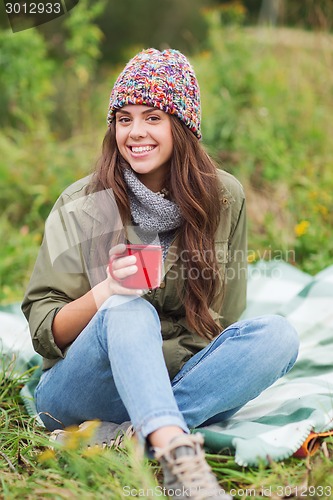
57	279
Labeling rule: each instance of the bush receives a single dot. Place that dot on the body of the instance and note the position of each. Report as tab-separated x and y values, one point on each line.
266	100
26	79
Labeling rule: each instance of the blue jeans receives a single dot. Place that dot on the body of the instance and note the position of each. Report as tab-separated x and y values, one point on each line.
115	371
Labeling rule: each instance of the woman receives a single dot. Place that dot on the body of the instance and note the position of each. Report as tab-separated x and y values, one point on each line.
167	359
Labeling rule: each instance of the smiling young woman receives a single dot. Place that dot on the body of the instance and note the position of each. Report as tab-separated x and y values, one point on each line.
168	359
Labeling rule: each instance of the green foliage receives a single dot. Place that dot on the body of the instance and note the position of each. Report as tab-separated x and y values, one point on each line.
266	96
231	12
26	79
225	89
83	43
17	258
167	23
34	169
76	75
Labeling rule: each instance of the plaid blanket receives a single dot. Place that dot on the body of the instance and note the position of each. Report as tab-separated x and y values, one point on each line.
288	418
292	415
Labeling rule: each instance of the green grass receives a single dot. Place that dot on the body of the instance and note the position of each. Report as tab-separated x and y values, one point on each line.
30	470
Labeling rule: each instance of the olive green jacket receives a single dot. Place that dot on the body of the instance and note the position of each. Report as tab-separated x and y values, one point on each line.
68	266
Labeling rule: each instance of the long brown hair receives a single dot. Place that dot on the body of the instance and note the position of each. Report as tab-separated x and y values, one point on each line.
194	187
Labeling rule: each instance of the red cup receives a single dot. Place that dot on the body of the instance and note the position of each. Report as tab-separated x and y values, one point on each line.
149	263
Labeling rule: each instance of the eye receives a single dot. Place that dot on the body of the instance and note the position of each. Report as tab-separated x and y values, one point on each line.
123	119
153	118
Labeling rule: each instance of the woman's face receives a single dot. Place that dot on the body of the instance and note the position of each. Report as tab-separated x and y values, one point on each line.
144	139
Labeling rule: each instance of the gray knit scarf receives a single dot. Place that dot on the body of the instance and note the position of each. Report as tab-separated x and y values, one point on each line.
156	218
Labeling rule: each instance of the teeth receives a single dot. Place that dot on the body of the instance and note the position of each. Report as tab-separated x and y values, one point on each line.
142	149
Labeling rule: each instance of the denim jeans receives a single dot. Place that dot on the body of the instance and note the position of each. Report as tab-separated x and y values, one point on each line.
115	371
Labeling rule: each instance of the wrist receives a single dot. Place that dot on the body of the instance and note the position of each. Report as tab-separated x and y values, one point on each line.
101	292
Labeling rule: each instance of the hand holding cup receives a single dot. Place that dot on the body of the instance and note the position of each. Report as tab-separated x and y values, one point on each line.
120	268
136	266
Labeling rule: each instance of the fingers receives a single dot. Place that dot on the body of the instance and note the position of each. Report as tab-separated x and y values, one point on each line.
121	262
122	267
117	249
116	288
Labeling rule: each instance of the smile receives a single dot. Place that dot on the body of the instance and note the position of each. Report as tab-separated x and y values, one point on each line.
141	149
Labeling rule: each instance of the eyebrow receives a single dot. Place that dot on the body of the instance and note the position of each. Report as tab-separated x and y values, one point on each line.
149	110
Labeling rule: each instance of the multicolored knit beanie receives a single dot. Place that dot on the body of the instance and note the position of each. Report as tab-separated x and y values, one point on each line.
163	80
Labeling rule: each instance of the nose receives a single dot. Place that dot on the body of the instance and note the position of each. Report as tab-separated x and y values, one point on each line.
138	129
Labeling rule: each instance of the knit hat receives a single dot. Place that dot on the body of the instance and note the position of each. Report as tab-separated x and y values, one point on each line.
163	80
